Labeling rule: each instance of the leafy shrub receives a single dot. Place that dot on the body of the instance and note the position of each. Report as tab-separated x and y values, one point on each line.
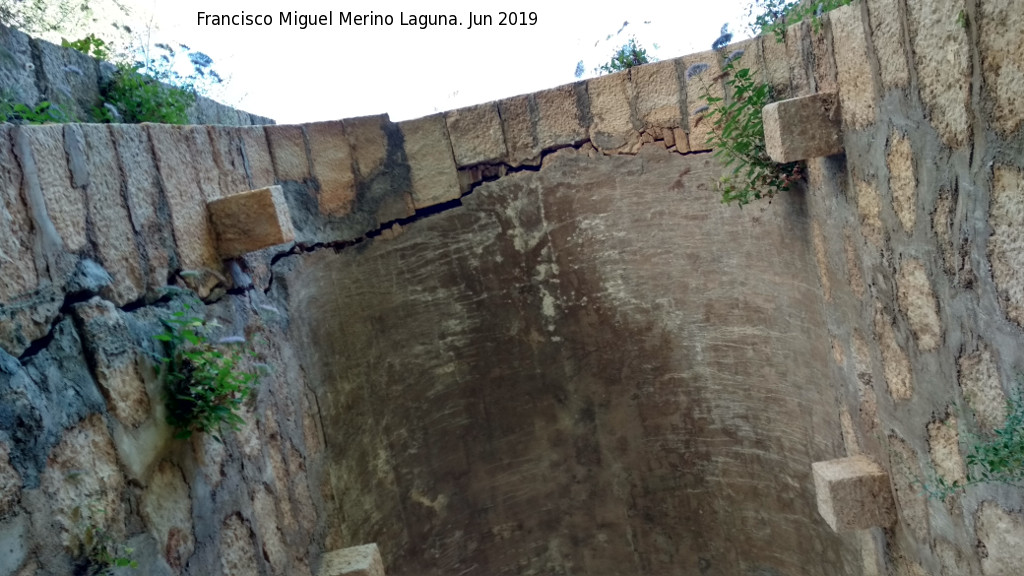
95	549
997	457
775	15
43	113
204	383
90	46
737	136
629	55
140	98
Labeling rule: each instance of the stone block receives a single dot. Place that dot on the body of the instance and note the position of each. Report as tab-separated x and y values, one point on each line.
251	221
942	57
355	561
657	92
853	494
776	65
431	164
886	17
70	79
1002	57
17	72
611	128
331	160
288	152
703	78
167	510
16	228
259	166
798	57
476	134
111	225
368	142
857	92
229	158
802	128
518	125
559	120
63	204
1006	244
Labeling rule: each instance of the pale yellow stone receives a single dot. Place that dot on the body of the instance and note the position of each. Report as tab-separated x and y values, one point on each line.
869	209
919	305
906	483
431	163
518	127
895	365
820	257
65	204
853	494
16	228
331	159
902	180
559	121
983	390
251	221
611	129
288	152
228	156
476	134
802	128
369	143
354	561
656	90
943	62
259	164
1002	57
857	94
167	511
944	443
698	87
887	36
1006	244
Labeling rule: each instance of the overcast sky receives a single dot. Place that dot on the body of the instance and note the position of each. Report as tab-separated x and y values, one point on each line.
328	72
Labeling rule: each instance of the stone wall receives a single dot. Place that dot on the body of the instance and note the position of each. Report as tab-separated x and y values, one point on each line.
34	70
525	336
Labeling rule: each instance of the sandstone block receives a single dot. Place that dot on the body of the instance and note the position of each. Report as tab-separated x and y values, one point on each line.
369	143
431	163
657	90
229	158
167	511
902	180
776	71
802	128
355	561
824	67
559	121
251	221
259	166
887	36
1006	245
16	229
942	57
64	205
798	56
1002	56
108	217
476	134
331	160
857	93
518	125
698	87
288	152
853	493
612	126
979	380
1000	533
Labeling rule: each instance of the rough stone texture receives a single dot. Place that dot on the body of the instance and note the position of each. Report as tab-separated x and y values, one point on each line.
331	160
1006	245
512	311
821	259
869	208
113	355
288	152
824	68
368	142
857	93
798	56
895	365
274	547
251	221
887	36
944	443
1002	59
17	263
943	63
238	556
853	494
983	390
70	79
776	65
559	119
853	266
918	304
108	216
906	474
802	128
999	535
431	164
82	472
355	561
476	134
517	125
65	204
229	158
656	89
14	544
187	190
697	88
902	180
611	129
148	215
167	511
258	162
17	72
10	482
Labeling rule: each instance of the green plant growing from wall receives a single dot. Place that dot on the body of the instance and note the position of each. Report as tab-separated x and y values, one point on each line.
139	98
627	56
775	16
997	457
94	548
43	113
205	385
737	133
89	45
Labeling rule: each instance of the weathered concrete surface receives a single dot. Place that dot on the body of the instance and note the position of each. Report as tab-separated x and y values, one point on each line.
567	375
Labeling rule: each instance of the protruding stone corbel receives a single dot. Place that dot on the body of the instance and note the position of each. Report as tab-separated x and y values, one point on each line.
354	561
853	494
251	221
803	128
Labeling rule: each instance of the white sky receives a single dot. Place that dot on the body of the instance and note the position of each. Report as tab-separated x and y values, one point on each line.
323	73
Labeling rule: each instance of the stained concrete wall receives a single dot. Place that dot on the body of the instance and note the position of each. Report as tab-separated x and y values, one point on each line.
525	336
34	70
